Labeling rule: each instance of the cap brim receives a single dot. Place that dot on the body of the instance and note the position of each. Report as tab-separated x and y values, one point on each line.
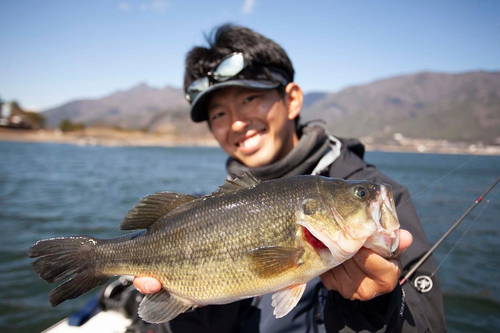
198	107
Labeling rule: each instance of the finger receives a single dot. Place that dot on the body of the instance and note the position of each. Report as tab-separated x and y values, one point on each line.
351	282
364	286
382	270
331	278
405	240
339	279
147	285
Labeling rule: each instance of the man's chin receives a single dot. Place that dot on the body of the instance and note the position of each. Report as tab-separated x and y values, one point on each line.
256	160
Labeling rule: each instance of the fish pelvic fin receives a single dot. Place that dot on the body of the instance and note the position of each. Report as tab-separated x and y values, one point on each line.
274	260
60	258
162	306
151	208
286	299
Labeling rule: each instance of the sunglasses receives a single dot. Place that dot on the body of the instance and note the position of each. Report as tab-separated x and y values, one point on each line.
228	68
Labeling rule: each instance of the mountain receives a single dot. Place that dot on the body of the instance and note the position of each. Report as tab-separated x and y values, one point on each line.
140	108
455	107
134	108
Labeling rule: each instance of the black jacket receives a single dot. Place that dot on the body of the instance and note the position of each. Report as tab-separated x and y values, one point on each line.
403	310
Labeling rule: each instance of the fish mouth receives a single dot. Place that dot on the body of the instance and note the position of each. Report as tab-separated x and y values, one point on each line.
333	248
381	234
385	240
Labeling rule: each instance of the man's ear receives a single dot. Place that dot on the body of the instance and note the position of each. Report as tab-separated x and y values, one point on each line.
294	100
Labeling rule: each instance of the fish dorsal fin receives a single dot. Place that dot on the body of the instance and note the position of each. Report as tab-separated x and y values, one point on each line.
149	209
162	306
273	260
286	299
247	180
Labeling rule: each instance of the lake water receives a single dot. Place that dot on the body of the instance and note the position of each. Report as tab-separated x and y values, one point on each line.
49	190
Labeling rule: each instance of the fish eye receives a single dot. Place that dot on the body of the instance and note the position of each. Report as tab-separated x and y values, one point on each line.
361	192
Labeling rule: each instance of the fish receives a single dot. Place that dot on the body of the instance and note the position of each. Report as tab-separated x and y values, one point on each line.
247	239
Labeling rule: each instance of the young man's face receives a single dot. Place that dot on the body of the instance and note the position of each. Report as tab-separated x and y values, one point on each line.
252	126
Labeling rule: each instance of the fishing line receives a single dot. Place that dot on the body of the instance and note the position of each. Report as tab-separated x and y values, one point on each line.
447	233
449	173
465	232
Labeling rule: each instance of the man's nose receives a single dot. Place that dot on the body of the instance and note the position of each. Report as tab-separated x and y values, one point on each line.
240	122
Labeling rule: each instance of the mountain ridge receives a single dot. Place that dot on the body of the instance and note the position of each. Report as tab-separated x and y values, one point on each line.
461	106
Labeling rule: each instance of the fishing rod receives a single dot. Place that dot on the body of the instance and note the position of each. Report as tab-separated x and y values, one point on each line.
428	253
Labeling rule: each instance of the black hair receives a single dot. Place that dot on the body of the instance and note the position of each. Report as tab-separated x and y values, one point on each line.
226	39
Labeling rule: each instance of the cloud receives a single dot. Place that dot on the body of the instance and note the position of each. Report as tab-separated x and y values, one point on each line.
248	6
159	6
124	6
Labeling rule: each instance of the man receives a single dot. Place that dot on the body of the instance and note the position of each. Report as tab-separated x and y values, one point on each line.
242	85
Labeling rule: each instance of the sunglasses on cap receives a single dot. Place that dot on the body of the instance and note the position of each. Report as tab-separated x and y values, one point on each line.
228	69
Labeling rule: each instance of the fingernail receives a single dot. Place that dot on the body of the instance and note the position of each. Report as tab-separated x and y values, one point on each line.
150	287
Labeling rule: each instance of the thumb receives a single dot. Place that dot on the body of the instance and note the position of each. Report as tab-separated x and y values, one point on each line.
405	240
147	285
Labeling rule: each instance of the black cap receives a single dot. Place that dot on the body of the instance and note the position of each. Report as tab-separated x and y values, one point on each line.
198	105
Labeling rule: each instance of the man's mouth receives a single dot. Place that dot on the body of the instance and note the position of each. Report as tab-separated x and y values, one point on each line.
250	143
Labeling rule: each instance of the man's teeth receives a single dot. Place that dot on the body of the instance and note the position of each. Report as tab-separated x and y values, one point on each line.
250	142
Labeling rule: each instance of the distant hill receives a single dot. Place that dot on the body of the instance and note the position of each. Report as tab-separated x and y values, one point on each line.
141	107
455	107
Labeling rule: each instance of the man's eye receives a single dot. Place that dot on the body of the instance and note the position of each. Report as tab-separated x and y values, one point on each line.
217	115
250	98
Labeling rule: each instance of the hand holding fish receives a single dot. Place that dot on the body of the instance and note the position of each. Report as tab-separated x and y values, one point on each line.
366	275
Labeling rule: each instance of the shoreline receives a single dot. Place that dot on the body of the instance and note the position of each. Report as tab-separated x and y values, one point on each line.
105	137
116	138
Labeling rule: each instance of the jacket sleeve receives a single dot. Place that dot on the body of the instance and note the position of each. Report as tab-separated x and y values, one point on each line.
404	309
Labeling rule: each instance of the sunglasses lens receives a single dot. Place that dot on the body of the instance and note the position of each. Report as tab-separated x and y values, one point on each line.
230	67
196	87
227	69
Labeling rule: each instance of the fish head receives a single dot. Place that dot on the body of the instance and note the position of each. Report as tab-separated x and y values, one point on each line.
377	209
350	214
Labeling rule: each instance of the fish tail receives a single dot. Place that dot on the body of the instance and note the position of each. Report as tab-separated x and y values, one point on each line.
60	258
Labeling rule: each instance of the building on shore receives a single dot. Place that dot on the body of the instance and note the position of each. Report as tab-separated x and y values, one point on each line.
13	116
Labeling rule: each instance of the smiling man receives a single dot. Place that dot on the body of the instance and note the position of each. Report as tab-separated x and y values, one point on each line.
253	126
242	85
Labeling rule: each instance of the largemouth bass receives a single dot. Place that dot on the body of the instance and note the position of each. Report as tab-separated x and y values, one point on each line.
247	239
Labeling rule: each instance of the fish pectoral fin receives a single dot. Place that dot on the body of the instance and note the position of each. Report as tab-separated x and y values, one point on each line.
162	306
286	299
149	209
274	260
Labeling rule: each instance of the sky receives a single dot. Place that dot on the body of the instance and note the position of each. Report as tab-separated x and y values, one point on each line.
53	52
